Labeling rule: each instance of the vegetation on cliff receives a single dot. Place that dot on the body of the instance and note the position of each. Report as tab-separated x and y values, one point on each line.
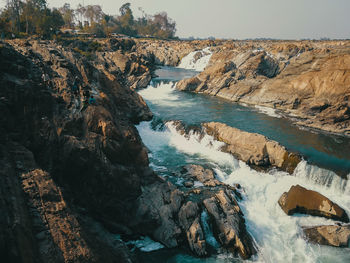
34	17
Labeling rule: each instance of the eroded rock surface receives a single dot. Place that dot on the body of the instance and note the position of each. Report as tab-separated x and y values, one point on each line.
301	200
253	148
308	80
333	235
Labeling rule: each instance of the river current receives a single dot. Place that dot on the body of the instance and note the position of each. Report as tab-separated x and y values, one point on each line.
277	235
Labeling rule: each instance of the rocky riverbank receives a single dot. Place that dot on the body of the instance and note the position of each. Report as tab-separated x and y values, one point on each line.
305	80
75	172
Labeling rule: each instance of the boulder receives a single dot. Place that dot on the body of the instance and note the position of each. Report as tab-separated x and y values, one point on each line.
229	224
252	148
195	237
333	235
199	173
301	200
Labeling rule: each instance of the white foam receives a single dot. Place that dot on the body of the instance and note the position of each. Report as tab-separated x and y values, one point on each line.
163	94
278	236
208	232
190	61
146	244
204	146
268	111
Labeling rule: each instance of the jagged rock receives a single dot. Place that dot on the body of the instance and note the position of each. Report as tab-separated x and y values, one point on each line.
229	223
156	210
253	148
199	173
93	152
195	237
333	235
301	200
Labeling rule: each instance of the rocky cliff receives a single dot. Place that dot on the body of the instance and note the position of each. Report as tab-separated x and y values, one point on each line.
66	162
305	80
75	174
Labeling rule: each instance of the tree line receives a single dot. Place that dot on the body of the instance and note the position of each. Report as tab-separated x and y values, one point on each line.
34	17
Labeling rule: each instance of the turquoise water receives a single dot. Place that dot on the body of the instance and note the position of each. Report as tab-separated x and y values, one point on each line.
277	235
324	150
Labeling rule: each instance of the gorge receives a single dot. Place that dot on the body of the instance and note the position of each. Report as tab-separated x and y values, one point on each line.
84	184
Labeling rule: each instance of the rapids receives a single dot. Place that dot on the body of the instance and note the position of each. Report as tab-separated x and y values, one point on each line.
277	235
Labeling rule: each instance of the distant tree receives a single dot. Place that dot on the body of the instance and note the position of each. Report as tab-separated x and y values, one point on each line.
81	11
5	23
94	13
166	26
98	30
124	9
14	9
68	15
49	22
126	20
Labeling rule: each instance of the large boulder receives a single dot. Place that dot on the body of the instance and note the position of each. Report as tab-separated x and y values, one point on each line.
301	200
252	148
333	235
227	219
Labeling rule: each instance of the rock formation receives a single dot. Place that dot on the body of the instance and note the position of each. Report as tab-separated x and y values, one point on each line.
307	80
172	215
333	235
300	200
253	148
75	174
52	140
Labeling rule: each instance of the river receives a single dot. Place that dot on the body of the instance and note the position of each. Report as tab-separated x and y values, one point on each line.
278	236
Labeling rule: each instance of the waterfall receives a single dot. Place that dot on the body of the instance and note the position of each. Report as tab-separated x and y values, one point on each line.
277	235
196	60
323	177
208	232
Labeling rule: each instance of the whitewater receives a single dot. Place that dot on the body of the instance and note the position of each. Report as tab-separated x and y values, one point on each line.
278	236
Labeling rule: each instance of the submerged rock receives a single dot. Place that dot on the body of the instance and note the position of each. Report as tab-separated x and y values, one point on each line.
253	148
301	200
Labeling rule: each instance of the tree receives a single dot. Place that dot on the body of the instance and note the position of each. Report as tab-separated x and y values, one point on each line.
126	20
68	15
49	22
124	9
81	11
14	10
166	26
93	13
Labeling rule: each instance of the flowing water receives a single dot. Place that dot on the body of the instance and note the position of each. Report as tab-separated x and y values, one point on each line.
277	235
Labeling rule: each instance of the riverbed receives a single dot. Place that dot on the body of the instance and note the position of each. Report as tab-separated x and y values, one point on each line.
277	235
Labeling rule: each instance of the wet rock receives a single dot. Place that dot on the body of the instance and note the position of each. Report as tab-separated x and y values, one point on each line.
195	237
190	223
301	200
253	148
199	173
156	210
333	235
229	225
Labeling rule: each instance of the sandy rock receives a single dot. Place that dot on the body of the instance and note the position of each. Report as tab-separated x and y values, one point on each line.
253	148
300	200
333	235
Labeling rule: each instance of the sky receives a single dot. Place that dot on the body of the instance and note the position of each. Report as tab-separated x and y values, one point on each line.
241	19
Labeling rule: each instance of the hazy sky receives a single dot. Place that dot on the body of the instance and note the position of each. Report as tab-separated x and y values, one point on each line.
286	19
